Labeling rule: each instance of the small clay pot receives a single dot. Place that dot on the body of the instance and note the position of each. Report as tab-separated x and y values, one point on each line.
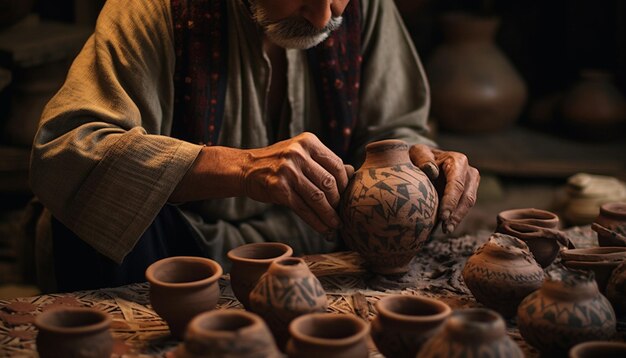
543	243
227	333
388	209
597	349
601	260
469	331
568	309
616	289
529	216
404	323
182	287
250	261
328	335
74	332
287	290
610	225
501	273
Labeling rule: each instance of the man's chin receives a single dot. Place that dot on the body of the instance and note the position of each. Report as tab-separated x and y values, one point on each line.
298	43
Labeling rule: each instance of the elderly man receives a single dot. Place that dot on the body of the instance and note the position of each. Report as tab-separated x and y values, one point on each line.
192	127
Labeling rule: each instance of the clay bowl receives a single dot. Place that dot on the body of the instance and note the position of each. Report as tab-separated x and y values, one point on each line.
595	349
182	287
227	333
601	260
610	224
250	262
529	216
74	332
544	243
404	323
328	335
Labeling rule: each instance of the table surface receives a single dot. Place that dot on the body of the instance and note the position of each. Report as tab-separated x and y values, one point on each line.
138	331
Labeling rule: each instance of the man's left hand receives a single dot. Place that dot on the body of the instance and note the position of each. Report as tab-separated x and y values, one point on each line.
456	181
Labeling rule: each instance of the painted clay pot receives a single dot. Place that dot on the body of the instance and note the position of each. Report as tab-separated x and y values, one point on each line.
227	333
474	332
568	309
74	332
328	335
474	87
404	323
545	244
182	287
597	349
250	261
601	260
529	216
388	209
610	225
616	289
287	290
501	273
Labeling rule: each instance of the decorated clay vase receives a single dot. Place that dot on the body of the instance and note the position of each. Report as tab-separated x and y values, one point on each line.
287	290
545	244
568	309
596	349
610	225
474	87
601	260
388	209
474	332
328	335
182	287
250	261
227	333
616	289
501	273
405	322
74	332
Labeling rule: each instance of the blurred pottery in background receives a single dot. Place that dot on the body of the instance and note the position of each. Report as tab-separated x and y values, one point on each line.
601	260
585	193
74	332
616	289
328	335
596	349
249	262
12	11
287	290
594	108
610	225
474	87
405	322
182	287
227	333
501	273
388	209
468	331
568	309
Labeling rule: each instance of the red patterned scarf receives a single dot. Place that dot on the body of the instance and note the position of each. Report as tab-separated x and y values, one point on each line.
200	37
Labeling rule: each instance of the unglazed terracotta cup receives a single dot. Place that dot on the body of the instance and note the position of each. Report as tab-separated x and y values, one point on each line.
250	261
610	225
328	335
598	349
601	260
227	333
405	322
74	332
472	330
529	216
182	287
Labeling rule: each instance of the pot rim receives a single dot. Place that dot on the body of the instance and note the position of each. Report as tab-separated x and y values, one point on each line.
382	306
578	350
154	268
103	320
362	329
595	254
237	254
253	322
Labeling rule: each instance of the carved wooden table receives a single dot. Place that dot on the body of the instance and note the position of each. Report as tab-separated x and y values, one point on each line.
140	332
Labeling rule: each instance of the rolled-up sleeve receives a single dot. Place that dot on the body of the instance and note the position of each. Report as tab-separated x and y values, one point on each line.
102	162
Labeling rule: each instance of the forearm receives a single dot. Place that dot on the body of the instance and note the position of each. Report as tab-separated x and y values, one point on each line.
217	172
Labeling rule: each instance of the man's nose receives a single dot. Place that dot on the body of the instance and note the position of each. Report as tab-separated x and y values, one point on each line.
317	12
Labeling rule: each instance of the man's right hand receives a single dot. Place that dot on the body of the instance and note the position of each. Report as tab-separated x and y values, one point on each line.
300	173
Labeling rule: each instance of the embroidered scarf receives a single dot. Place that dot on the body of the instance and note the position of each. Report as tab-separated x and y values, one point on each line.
201	45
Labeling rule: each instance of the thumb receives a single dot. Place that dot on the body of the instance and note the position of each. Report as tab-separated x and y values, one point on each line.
424	158
349	170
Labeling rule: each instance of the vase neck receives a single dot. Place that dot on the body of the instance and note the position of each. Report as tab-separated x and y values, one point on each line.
467	28
386	153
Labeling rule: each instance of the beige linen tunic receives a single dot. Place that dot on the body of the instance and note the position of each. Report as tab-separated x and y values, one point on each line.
104	165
